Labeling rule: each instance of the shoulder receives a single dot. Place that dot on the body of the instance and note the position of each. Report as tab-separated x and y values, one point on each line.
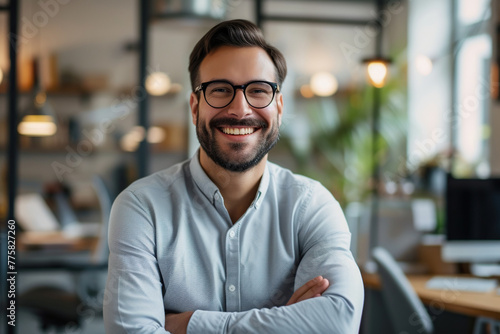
316	209
157	185
284	178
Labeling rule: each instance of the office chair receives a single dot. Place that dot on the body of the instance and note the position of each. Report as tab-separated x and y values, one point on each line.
61	309
486	325
406	310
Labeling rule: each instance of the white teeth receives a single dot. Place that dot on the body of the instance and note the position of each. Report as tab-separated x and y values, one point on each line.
238	131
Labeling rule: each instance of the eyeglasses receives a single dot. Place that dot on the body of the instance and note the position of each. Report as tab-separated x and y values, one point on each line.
220	93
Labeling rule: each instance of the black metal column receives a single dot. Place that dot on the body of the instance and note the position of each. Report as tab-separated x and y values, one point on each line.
376	137
143	152
258	13
12	162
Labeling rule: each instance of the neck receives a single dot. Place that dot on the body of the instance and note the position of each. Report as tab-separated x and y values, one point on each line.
237	188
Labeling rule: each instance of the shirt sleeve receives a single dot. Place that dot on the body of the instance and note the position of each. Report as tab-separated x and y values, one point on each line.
324	240
133	300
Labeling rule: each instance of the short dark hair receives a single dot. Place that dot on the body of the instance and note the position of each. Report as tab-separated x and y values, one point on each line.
239	33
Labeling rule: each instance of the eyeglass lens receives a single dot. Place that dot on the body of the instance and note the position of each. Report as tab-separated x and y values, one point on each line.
220	94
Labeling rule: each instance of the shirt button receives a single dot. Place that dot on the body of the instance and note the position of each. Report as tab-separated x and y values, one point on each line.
232	234
232	288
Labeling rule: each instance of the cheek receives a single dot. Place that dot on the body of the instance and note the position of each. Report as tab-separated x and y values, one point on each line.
201	120
274	119
270	113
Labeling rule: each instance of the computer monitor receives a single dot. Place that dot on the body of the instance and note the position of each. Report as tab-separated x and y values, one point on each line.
472	220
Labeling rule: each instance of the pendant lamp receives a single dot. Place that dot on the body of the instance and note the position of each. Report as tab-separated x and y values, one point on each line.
38	119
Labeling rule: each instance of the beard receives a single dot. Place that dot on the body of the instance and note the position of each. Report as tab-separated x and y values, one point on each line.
229	160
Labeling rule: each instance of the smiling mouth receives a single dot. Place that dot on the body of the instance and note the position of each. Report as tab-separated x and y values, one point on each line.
238	131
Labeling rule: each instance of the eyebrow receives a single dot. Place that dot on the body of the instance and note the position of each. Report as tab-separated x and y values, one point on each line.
232	82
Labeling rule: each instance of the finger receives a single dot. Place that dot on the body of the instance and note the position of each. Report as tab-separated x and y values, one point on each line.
315	286
315	291
300	291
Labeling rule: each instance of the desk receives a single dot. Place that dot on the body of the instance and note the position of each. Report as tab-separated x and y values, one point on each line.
56	251
54	240
462	302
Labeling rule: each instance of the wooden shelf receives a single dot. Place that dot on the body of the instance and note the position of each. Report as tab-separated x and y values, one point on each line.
66	91
75	91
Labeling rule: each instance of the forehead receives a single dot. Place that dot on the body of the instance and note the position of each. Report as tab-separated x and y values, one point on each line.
237	64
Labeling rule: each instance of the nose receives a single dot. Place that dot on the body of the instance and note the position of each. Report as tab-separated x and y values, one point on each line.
239	106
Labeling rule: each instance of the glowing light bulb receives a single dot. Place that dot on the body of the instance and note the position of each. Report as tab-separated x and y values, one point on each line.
324	84
37	126
156	135
377	73
158	83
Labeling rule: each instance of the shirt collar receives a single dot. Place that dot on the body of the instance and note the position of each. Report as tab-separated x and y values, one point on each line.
210	190
201	179
264	184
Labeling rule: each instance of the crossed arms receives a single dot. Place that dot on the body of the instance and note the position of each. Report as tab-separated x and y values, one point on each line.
178	323
135	303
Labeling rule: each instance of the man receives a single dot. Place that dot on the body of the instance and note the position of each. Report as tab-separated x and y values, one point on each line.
227	242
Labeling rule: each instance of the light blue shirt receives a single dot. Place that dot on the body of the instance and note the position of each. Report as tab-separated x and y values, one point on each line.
174	248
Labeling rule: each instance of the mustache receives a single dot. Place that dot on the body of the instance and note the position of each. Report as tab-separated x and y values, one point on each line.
249	122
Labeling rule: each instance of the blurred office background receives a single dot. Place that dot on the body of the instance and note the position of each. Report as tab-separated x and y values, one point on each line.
382	142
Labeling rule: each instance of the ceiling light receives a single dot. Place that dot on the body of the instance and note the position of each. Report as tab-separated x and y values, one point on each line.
324	84
129	145
130	141
377	71
156	135
37	126
158	83
136	133
38	120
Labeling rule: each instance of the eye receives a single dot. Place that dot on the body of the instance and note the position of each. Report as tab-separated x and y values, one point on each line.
258	91
219	89
259	88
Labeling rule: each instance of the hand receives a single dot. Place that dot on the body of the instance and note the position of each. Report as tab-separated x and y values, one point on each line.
177	323
313	288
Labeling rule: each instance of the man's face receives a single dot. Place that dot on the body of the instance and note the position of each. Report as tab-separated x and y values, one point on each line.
258	128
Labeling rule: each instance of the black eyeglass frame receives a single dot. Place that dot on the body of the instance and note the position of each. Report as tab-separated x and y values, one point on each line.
203	86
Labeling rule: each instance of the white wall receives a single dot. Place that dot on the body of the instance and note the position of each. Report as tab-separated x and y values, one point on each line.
429	96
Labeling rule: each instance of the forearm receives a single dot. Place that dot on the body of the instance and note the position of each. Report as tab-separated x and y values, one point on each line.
327	314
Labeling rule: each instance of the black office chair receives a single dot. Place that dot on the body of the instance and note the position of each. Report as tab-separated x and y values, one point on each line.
54	307
406	311
61	309
486	325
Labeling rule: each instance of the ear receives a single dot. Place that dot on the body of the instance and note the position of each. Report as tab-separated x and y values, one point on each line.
279	105
193	103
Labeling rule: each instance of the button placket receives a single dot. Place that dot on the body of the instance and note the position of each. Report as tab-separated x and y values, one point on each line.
232	269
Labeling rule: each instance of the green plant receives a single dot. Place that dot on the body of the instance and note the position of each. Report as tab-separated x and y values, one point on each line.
340	149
